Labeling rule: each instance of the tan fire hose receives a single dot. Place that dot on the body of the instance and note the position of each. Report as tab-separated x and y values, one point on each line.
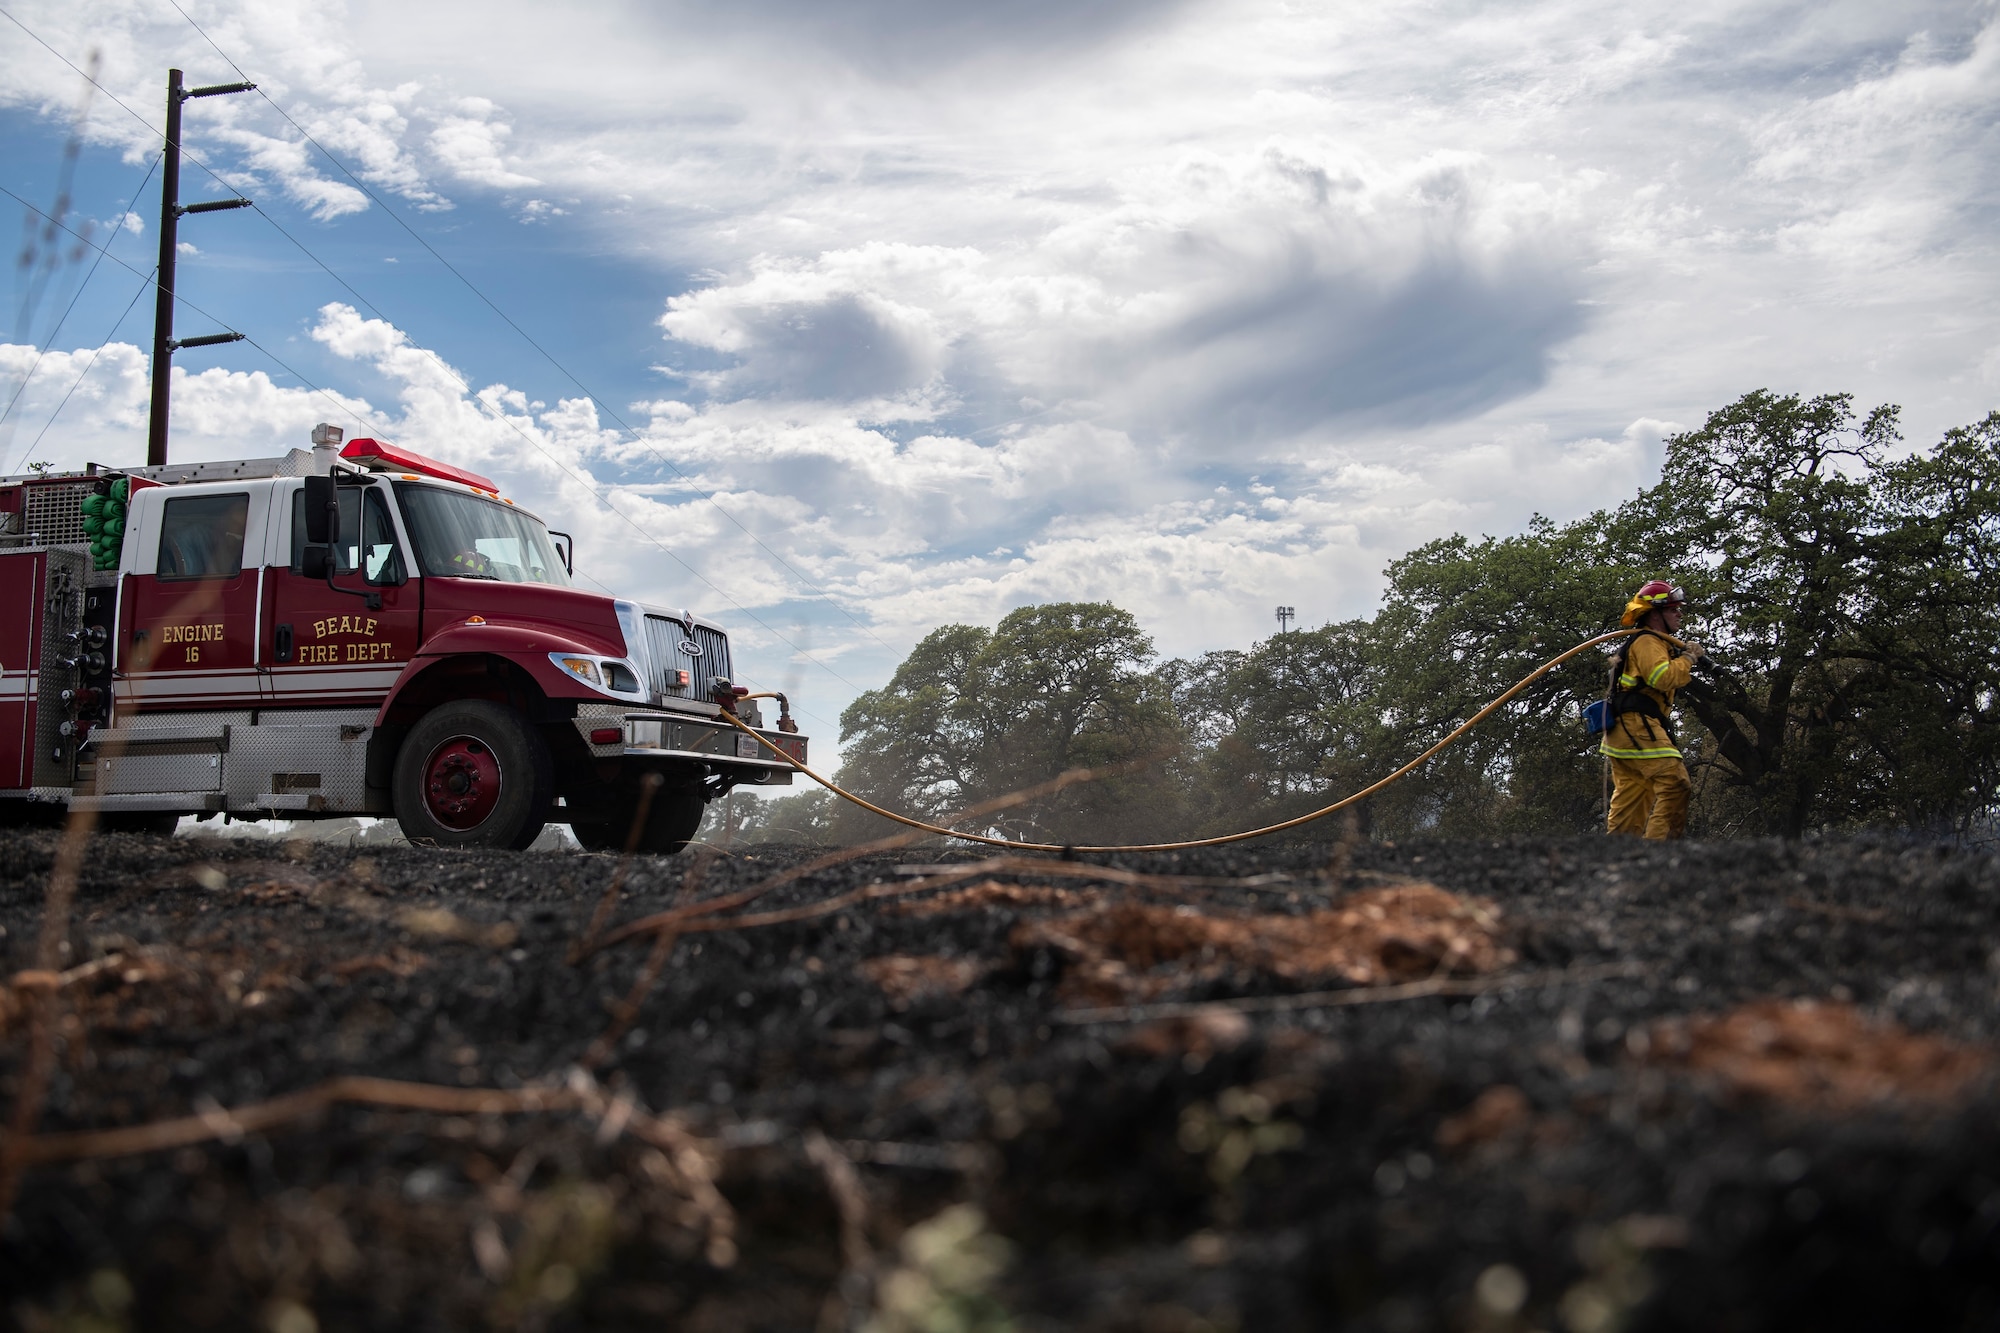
1320	813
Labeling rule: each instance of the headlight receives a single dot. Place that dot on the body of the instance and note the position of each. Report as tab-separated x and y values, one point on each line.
606	675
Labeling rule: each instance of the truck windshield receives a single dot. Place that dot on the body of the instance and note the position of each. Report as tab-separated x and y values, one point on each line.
462	536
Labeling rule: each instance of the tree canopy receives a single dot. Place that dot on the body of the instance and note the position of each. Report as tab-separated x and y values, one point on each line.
1846	590
974	714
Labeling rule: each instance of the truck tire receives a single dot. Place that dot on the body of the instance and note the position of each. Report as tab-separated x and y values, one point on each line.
31	814
157	823
671	822
473	774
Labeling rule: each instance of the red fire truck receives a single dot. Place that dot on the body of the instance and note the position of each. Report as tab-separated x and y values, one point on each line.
348	631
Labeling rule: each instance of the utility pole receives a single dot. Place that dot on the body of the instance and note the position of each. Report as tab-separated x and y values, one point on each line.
171	210
1286	615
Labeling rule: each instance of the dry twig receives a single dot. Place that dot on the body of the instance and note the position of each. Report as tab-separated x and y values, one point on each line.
649	975
673	918
44	995
852	1295
628	1009
1867	916
691	1157
648	787
233	1123
1036	865
1353	995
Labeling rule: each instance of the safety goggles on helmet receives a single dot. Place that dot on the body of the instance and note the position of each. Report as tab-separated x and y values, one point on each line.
1653	595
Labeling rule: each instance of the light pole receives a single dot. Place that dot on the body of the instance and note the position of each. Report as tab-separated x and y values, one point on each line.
171	210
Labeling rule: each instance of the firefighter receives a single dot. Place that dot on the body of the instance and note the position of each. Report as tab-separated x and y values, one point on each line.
1649	792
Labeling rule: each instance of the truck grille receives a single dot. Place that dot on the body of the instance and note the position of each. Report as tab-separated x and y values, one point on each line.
55	511
666	643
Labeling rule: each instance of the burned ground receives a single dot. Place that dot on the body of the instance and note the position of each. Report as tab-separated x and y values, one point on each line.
1584	1084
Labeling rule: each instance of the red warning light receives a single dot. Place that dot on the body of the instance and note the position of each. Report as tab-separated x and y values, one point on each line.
378	456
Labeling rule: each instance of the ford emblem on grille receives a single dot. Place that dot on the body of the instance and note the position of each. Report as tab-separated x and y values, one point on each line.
690	648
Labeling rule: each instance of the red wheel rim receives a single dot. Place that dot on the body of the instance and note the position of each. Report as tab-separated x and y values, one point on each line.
461	782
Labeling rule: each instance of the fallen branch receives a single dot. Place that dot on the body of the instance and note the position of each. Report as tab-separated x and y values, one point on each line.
437	923
675	917
628	1009
688	921
690	1156
1032	865
1867	916
853	1292
648	787
824	907
1353	995
649	975
33	979
43	991
233	1123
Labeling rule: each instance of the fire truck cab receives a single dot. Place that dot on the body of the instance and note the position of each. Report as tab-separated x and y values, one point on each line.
349	631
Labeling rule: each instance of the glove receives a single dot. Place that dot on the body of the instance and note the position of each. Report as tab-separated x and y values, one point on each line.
1694	651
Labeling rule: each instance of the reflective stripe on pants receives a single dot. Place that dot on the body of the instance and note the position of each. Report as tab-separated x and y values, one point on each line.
1649	797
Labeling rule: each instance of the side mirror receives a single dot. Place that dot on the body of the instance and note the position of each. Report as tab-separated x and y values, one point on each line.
315	561
322	512
566	549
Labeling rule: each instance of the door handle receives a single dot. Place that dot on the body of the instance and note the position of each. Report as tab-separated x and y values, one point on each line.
282	643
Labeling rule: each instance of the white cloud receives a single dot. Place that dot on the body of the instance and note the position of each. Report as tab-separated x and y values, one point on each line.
289	162
1246	297
1012	302
105	406
470	145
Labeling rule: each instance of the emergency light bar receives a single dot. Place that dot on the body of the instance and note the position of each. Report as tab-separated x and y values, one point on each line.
377	456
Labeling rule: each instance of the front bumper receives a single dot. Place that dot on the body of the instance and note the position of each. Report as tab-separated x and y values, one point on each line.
647	736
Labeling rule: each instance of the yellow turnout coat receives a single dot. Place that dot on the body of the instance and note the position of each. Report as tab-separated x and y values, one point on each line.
1652	669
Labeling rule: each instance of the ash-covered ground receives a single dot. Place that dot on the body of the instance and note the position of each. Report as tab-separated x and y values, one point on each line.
1585	1085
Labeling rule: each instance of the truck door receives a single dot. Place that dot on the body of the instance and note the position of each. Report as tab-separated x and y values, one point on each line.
188	613
327	648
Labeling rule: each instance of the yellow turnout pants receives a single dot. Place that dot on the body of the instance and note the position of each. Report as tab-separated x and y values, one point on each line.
1649	797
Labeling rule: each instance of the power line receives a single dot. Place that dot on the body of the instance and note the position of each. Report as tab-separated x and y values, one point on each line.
145	285
465	387
459	380
492	305
498	415
43	350
582	480
182	300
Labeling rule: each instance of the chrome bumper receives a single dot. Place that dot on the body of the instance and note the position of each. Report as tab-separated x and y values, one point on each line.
680	736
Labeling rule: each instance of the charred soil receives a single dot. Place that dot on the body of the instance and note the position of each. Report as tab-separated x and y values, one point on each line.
1584	1084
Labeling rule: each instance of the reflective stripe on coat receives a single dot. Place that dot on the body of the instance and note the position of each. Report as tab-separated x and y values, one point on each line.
1652	669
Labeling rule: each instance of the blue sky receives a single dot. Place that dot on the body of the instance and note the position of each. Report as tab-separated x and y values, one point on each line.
576	297
1199	307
